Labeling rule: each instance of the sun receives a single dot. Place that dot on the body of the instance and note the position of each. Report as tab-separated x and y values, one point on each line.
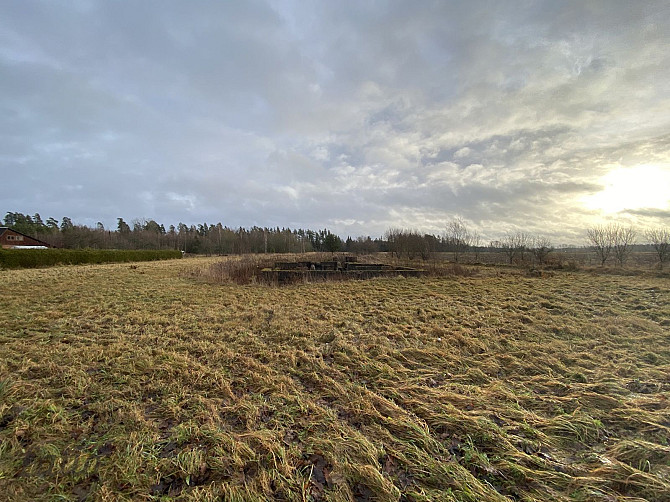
643	186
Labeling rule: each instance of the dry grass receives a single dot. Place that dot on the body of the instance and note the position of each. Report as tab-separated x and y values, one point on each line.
120	383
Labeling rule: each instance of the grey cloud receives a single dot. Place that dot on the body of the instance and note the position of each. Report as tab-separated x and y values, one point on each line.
660	214
353	115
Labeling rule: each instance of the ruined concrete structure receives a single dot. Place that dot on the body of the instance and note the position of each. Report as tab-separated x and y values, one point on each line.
348	268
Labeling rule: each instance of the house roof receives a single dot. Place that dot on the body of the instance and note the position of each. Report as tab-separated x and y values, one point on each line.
4	229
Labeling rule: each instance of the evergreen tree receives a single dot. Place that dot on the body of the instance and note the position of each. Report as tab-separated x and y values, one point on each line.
66	224
122	227
331	242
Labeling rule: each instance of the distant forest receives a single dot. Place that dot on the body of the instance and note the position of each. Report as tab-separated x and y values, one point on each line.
149	234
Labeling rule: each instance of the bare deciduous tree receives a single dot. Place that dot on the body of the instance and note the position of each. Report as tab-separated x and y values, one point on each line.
457	237
660	239
514	246
417	245
392	236
602	239
623	243
408	243
541	247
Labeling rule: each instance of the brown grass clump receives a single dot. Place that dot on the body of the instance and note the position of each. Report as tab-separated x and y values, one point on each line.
238	270
157	383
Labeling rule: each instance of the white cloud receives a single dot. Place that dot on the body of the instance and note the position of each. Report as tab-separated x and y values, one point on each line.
462	152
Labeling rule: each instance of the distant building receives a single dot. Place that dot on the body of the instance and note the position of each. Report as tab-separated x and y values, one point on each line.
11	239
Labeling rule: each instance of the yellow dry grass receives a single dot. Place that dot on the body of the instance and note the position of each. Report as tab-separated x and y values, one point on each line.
143	383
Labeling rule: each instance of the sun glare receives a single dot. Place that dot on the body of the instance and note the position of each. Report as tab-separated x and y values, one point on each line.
645	186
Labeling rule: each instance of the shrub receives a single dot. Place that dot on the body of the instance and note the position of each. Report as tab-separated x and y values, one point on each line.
32	258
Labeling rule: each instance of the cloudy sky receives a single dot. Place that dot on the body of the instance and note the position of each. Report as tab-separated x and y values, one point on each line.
545	117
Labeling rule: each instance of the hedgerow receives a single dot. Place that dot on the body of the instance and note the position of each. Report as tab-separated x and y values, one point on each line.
32	258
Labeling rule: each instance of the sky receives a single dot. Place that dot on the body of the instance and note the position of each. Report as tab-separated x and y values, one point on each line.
538	116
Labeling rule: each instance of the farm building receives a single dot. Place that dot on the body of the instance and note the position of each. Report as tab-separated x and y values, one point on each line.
10	239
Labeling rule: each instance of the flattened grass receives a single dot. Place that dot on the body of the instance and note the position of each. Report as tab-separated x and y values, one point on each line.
120	383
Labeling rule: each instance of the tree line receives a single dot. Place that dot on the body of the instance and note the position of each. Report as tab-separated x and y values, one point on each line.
616	240
149	234
608	242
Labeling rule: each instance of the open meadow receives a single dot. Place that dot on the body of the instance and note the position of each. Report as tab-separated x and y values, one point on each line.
148	382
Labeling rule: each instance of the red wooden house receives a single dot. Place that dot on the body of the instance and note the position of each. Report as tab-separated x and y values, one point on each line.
11	238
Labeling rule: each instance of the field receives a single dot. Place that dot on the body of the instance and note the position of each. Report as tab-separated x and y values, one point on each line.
146	382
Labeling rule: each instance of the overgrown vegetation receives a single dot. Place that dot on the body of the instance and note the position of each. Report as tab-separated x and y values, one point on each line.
123	382
248	269
21	258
